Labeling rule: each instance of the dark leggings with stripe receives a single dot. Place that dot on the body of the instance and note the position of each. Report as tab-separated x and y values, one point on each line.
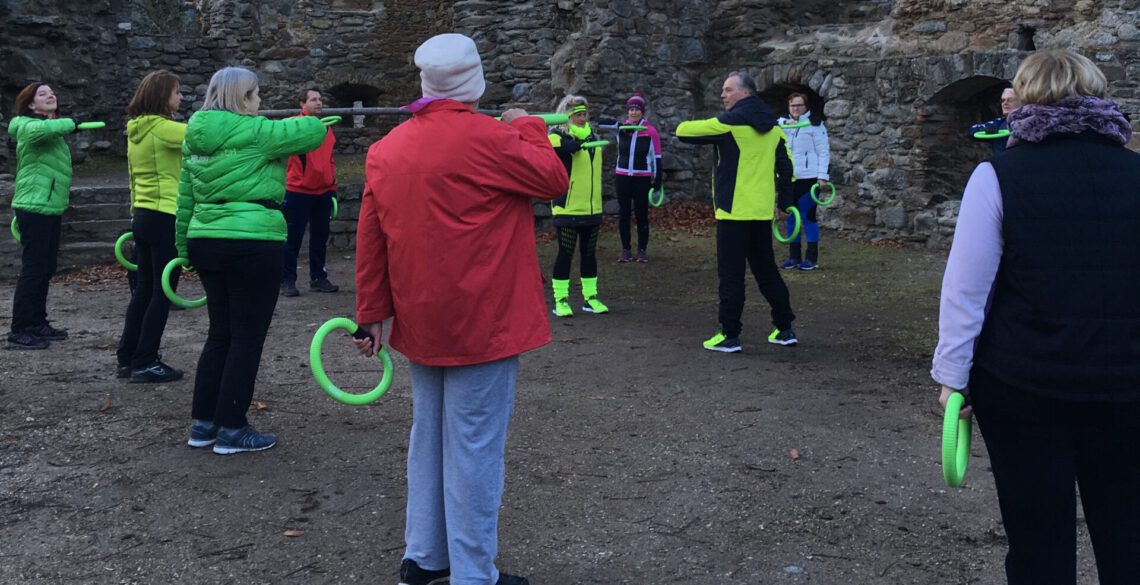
586	238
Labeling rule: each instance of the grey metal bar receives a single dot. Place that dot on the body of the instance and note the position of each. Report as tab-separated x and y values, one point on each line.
357	112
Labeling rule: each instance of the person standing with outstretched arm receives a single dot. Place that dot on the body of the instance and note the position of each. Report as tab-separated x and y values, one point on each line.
229	225
310	186
154	158
638	170
446	249
42	193
753	173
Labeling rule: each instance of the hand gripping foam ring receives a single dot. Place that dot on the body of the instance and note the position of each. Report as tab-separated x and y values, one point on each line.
955	441
657	197
169	292
795	231
825	202
335	209
319	369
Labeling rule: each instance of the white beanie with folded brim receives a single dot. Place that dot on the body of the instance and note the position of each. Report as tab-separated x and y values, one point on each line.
450	67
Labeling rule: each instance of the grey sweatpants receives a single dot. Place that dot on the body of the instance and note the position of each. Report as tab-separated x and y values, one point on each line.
460	416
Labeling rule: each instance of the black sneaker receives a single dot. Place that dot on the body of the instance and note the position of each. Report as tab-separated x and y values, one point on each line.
721	343
26	341
785	337
46	331
412	574
323	285
244	439
155	373
289	289
123	372
505	579
202	434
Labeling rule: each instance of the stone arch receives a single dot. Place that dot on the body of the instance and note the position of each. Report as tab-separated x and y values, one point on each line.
777	82
349	94
947	154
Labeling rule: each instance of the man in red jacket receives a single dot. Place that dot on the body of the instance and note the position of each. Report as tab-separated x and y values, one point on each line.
310	185
445	248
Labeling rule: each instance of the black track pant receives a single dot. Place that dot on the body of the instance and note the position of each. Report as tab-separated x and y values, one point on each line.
633	195
1040	450
586	237
39	236
241	278
738	242
149	307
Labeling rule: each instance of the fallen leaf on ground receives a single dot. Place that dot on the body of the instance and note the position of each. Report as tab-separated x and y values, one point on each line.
795	453
105	406
258	405
294	533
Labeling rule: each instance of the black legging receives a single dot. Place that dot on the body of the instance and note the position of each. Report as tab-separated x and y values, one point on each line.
39	235
588	238
149	308
241	278
633	192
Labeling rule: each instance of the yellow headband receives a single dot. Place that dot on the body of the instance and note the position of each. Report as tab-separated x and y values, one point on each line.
579	109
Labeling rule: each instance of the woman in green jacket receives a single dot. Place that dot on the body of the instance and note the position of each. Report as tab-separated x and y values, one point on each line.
43	182
154	155
578	214
230	226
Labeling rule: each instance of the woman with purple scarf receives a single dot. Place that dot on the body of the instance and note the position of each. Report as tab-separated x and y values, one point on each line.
1040	323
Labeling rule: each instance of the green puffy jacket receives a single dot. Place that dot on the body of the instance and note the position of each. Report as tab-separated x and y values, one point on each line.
43	164
233	166
154	151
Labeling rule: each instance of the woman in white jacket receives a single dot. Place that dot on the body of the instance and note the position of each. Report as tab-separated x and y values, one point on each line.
811	155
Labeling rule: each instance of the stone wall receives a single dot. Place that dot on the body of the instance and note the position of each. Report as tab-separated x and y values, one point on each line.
899	80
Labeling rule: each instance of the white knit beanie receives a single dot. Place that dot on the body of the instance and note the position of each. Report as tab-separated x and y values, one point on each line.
450	67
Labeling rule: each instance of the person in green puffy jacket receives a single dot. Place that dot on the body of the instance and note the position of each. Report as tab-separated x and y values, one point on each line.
43	182
154	156
230	226
578	214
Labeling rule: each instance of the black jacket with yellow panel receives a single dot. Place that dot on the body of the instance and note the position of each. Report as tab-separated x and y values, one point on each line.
753	162
582	204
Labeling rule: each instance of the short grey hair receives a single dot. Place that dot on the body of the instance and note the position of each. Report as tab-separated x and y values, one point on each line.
746	81
230	90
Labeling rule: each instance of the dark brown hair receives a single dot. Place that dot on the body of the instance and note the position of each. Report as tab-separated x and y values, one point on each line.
153	95
25	97
801	96
304	97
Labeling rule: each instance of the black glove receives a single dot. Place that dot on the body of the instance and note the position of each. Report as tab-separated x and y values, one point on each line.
78	120
657	178
570	145
607	122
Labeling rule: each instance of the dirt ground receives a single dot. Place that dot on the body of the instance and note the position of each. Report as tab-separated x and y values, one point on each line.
634	455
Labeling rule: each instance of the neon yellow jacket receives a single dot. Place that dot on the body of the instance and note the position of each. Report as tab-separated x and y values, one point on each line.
154	155
753	162
584	166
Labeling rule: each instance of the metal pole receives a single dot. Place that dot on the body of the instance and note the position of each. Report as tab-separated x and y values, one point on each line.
357	112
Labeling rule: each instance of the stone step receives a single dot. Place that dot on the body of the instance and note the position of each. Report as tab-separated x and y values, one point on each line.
101	232
74	255
95	212
81	196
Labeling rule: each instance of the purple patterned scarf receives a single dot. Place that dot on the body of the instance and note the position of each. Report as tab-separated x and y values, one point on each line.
1071	115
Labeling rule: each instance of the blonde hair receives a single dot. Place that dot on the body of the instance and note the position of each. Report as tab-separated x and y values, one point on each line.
230	89
567	104
1048	76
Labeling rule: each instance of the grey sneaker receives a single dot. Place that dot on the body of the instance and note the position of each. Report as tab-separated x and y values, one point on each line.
26	341
412	574
156	373
288	289
323	285
247	438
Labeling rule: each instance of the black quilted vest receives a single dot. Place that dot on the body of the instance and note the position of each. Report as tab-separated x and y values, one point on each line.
1065	315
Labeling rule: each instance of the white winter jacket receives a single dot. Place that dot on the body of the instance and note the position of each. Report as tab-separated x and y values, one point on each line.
811	153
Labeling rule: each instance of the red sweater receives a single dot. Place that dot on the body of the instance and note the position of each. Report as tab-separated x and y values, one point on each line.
313	173
445	243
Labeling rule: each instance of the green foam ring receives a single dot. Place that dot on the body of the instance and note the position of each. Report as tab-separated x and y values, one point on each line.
90	125
330	120
335	209
955	441
16	230
795	231
322	378
633	128
596	144
657	200
803	124
169	292
119	252
983	135
825	202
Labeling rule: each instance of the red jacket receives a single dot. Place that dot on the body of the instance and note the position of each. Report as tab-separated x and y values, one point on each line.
313	173
445	243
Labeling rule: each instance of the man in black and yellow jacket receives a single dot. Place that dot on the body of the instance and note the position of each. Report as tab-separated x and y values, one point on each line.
753	171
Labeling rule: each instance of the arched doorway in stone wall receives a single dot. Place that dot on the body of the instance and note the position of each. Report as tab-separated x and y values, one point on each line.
776	96
947	154
348	95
